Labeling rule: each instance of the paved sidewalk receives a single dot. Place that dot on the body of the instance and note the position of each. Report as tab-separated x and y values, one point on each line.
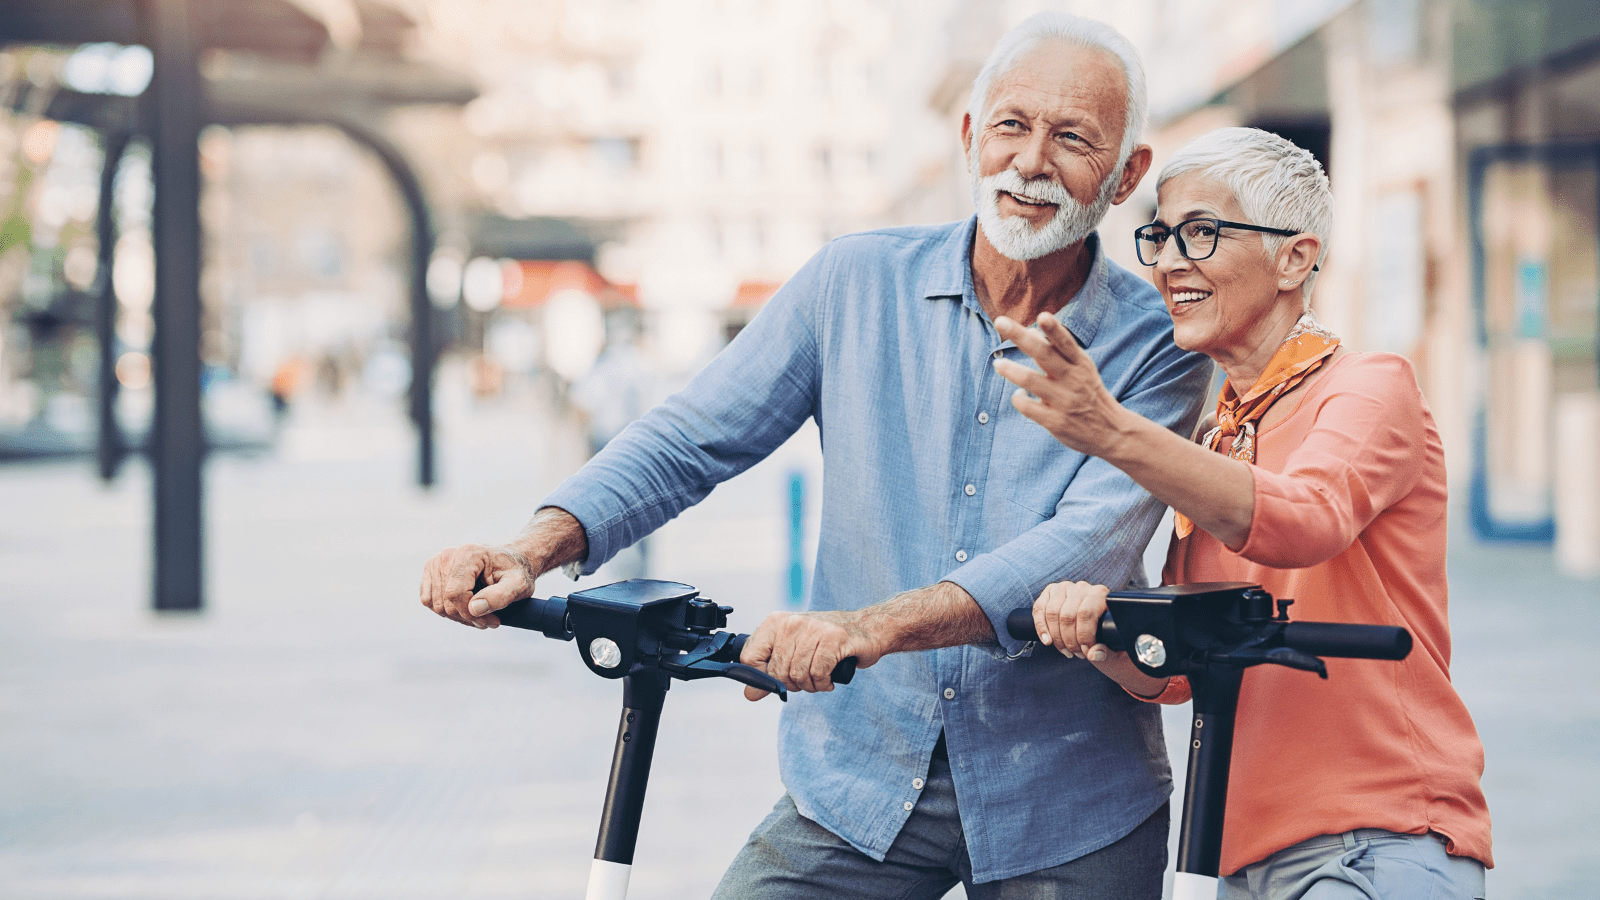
317	734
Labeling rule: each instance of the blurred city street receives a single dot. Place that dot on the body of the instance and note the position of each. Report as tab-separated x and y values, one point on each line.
358	246
315	733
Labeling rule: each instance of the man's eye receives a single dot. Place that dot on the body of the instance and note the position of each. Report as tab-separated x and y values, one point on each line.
1070	136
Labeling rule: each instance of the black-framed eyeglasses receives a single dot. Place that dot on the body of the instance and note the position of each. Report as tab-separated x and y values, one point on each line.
1197	238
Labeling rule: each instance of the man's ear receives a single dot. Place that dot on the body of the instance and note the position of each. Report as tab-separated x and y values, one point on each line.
1133	172
966	137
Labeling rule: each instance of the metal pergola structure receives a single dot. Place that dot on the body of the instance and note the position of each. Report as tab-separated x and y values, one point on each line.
170	114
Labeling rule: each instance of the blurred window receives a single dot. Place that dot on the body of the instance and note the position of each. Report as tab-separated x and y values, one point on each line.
1394	30
263	255
616	153
620	77
320	251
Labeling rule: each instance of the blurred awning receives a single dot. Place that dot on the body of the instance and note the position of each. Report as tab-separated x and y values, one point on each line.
531	283
541	237
295	30
754	294
276	28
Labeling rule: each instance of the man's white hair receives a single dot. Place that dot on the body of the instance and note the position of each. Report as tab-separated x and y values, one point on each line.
1277	183
1059	26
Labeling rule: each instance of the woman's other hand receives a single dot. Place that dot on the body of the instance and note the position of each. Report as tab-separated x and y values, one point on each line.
1067	617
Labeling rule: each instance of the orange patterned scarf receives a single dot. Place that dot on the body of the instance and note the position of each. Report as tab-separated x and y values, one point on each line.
1307	346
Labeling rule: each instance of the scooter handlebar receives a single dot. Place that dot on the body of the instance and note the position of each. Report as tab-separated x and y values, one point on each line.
1348	641
1019	624
549	617
843	671
1333	639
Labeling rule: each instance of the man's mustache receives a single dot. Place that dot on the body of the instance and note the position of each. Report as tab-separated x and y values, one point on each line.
1042	189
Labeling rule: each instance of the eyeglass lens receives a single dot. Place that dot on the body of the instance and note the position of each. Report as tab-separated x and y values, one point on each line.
1197	239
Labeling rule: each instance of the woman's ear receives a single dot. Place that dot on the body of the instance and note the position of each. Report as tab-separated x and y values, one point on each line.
1297	258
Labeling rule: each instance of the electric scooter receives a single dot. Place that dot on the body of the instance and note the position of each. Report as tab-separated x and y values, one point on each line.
649	632
646	633
1212	633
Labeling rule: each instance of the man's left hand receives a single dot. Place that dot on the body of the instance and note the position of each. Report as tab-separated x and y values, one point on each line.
801	649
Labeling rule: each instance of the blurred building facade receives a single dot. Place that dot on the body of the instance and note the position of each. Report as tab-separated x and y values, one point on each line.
1461	139
726	140
690	155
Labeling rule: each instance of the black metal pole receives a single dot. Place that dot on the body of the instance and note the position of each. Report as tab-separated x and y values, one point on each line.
424	341
642	697
177	439
110	446
1216	700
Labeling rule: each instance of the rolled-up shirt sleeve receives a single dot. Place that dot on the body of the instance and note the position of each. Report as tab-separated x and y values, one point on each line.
742	406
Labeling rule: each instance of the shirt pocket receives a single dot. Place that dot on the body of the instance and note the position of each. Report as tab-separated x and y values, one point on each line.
1035	468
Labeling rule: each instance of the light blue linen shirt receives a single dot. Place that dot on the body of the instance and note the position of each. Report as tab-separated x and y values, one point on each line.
930	474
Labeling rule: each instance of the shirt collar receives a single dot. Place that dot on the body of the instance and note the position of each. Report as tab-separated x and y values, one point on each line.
950	276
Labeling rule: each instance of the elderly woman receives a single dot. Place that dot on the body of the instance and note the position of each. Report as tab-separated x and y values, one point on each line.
1322	479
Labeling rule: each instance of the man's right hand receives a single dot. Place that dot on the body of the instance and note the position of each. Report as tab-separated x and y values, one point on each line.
472	582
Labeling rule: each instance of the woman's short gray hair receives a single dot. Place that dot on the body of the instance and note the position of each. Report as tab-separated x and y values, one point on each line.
1277	183
1059	26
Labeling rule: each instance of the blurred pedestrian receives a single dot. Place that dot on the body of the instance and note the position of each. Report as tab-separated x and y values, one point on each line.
286	380
616	390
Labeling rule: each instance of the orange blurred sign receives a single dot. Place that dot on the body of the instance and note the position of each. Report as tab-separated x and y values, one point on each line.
531	283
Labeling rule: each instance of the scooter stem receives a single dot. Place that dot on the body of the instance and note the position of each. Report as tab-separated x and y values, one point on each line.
643	695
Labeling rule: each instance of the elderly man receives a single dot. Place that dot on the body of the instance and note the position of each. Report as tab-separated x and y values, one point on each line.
943	509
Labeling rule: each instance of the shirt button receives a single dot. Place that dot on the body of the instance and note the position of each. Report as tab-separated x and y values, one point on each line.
910	806
949	693
916	783
971	490
983	418
961	556
999	353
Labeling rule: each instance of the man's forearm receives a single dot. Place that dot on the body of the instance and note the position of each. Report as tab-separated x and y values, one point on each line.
551	539
940	615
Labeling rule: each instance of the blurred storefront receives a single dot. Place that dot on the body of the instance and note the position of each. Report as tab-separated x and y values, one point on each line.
1462	138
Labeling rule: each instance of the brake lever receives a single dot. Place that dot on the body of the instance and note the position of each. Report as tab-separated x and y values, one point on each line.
1298	659
1288	657
699	664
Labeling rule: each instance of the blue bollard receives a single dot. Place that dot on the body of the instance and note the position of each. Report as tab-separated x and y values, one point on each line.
797	566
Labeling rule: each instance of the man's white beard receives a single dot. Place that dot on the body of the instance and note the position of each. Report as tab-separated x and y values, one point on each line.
1014	236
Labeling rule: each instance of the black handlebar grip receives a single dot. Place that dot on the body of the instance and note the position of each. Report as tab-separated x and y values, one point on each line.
843	670
1348	641
547	616
1019	624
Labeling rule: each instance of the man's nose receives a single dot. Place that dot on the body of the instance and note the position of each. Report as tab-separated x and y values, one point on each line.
1033	159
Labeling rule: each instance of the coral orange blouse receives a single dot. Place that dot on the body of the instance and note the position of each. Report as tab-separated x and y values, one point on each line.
1349	521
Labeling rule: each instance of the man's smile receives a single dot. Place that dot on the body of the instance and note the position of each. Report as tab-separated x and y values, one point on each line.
1026	200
